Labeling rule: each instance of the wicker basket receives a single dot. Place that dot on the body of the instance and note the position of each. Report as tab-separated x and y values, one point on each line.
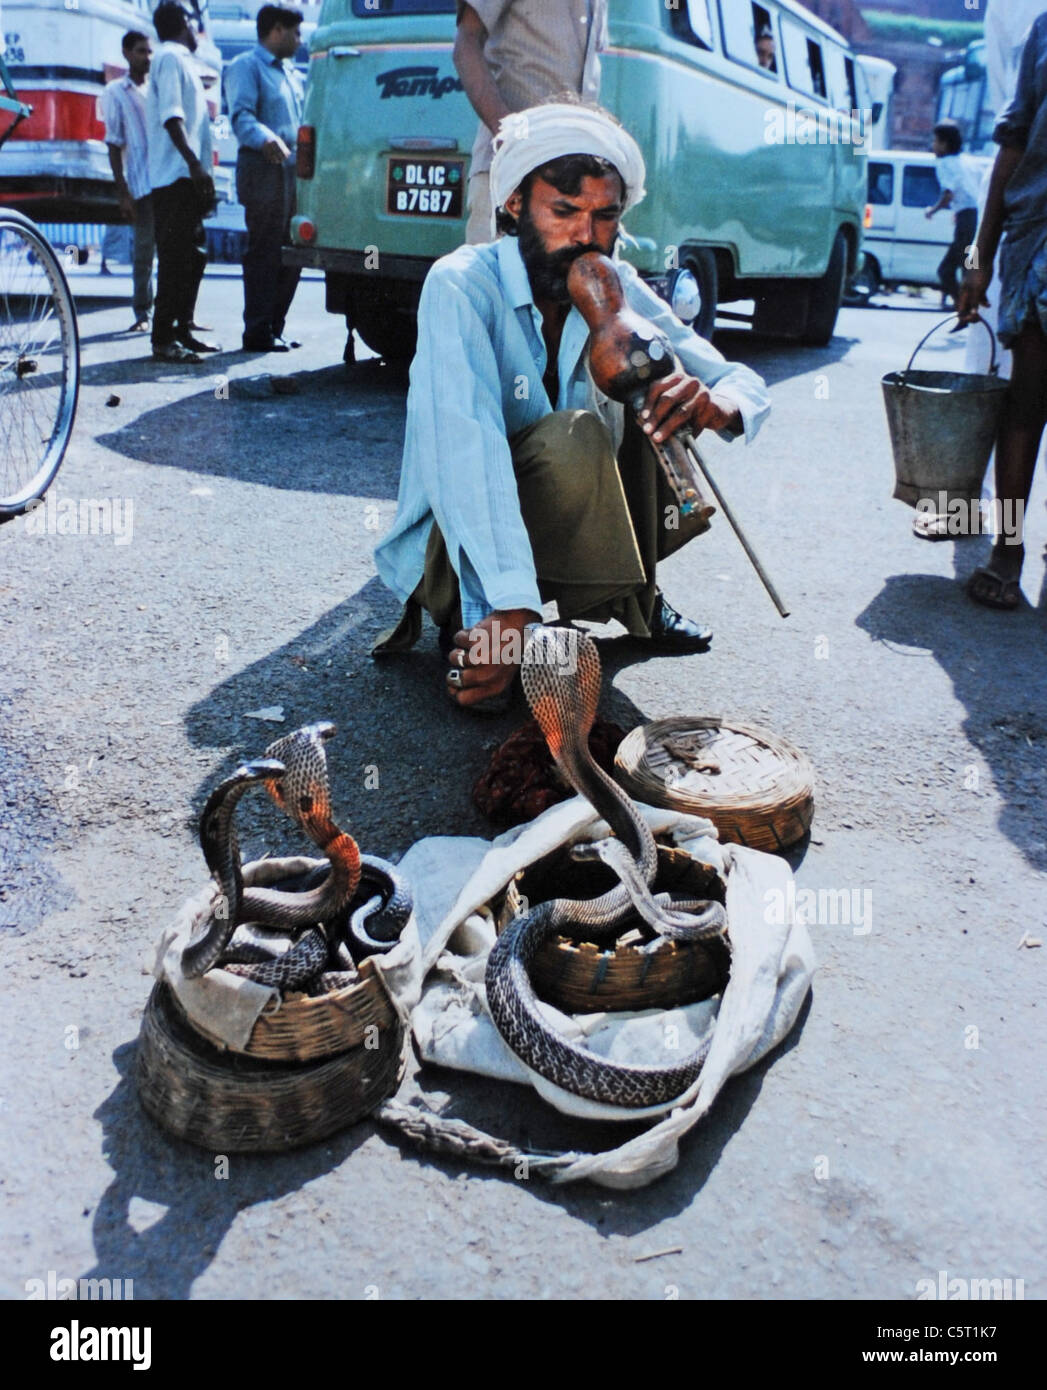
298	1028
582	977
229	1103
756	788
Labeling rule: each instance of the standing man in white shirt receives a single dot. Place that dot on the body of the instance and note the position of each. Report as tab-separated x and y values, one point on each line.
512	54
179	134
959	181
123	109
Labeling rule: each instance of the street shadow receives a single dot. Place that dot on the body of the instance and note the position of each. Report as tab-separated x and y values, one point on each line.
396	776
776	359
424	752
998	671
165	1258
336	430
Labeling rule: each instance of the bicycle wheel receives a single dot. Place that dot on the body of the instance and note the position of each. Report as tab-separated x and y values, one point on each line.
39	363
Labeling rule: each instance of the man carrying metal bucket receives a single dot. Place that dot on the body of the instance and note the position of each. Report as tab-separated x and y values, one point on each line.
1017	206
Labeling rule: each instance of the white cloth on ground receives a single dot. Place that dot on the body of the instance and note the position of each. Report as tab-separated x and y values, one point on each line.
771	970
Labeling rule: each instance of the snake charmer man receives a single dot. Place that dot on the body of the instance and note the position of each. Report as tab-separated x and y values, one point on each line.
521	483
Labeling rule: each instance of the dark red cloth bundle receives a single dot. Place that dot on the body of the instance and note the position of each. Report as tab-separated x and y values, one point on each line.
521	780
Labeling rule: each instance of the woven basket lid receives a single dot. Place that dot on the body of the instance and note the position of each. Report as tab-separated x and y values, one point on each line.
756	787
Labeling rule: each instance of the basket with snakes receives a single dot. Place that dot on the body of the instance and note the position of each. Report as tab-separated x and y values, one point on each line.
273	980
561	680
640	969
756	787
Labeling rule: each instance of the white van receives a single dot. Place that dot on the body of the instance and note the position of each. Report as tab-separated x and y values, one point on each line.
902	246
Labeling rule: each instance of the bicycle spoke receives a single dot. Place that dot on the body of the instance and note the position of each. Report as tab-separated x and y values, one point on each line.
39	368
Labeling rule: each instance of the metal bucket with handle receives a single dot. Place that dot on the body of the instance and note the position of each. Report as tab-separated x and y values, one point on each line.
943	428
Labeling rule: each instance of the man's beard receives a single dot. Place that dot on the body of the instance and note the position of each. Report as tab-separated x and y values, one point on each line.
547	272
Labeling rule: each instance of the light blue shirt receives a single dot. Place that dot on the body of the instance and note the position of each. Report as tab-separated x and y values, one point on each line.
476	380
264	96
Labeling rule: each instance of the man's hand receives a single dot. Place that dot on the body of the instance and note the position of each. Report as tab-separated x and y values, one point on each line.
679	402
127	205
485	658
477	78
203	184
274	151
971	297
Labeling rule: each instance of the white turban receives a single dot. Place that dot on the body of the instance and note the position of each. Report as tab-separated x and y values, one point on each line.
528	139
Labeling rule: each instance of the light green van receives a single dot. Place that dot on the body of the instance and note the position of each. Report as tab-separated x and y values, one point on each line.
756	176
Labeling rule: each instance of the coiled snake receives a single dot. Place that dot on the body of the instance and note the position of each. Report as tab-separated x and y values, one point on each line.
563	701
353	906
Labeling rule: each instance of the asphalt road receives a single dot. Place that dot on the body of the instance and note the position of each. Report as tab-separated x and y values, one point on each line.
877	1147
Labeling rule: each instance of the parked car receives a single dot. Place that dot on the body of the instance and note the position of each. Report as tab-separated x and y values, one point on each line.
902	246
755	176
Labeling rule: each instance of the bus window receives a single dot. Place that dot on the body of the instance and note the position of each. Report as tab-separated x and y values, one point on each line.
692	24
701	24
814	62
803	60
739	31
842	91
852	84
763	40
920	187
881	184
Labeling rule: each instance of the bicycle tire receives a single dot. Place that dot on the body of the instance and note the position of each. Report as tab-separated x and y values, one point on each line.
38	330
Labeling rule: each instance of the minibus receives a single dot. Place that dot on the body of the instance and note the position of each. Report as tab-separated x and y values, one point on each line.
756	176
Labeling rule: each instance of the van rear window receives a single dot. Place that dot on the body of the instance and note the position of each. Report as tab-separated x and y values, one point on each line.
920	187
378	9
881	184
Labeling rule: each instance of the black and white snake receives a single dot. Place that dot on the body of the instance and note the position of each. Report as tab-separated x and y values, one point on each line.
561	679
308	933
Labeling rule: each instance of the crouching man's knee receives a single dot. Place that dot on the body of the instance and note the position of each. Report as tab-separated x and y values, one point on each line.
569	453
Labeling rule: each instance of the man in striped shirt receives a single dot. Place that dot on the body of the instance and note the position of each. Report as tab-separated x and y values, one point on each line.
123	109
511	54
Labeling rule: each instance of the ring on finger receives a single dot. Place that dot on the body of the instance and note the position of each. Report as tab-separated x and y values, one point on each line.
454	676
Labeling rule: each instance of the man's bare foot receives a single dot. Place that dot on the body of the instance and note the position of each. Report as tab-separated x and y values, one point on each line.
485	659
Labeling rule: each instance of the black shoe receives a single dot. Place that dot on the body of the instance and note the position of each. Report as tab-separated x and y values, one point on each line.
676	633
281	344
175	352
198	344
265	345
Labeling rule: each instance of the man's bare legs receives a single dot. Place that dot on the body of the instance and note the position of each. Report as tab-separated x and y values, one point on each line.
1017	447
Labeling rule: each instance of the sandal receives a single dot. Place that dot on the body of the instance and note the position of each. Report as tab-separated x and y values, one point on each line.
994	590
931	526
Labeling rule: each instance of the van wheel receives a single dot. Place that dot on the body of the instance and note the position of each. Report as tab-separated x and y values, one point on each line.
391	332
826	294
702	265
782	309
861	287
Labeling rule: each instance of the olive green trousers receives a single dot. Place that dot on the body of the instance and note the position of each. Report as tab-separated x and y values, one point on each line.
597	524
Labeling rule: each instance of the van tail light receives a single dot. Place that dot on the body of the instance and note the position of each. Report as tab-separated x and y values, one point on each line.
303	230
867	220
305	159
